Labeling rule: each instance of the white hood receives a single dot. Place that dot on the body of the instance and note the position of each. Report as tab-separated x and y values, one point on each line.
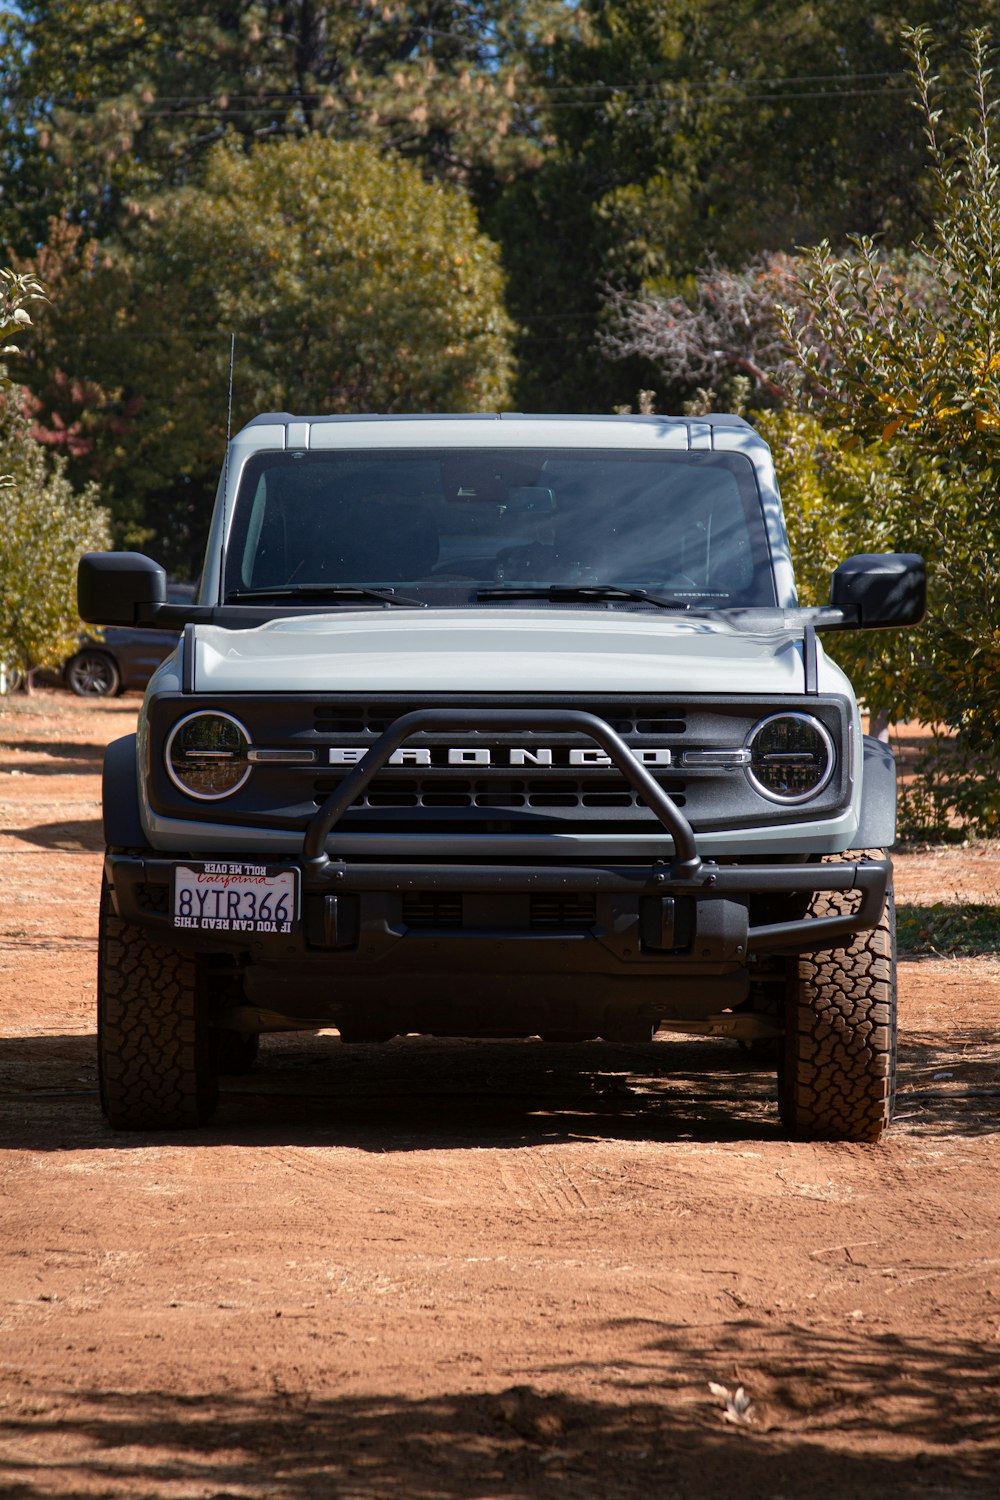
525	650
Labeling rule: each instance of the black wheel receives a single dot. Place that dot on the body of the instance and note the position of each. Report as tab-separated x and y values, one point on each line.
234	1052
837	1072
92	674
153	1050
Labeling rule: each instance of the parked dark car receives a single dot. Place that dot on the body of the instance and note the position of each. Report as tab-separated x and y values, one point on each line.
126	658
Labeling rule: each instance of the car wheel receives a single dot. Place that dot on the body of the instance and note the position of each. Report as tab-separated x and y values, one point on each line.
836	1075
92	674
153	1044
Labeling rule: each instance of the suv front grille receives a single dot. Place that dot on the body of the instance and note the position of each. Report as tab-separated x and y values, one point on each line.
492	782
439	799
569	913
455	792
439	911
444	911
371	721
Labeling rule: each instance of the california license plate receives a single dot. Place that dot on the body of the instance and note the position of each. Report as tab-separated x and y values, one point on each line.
226	896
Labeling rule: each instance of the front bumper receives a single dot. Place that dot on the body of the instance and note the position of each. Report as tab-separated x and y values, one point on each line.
683	913
702	915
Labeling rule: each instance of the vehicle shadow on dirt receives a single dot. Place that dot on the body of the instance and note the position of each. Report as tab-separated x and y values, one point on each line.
73	834
56	757
898	1401
422	1094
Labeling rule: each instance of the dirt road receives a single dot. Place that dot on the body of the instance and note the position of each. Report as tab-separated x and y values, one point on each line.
478	1270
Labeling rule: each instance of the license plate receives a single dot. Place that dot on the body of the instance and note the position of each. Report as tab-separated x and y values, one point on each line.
226	896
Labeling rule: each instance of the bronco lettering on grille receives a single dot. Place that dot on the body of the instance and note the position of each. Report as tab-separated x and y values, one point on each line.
507	756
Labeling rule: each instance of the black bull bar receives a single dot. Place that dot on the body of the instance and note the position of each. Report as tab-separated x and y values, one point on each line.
684	874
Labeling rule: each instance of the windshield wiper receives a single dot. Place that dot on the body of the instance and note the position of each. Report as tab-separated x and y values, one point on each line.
560	591
334	591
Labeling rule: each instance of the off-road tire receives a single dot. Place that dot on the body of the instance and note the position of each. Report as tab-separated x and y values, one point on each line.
837	1070
153	1052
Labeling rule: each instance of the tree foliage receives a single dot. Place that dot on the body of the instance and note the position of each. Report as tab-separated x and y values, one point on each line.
924	369
920	376
108	102
351	283
695	131
740	128
724	324
349	279
837	503
16	290
75	346
45	525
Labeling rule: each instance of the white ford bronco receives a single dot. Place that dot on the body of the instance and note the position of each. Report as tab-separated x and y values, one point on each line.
499	727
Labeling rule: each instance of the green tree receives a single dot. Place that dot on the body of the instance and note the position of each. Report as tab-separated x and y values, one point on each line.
351	282
839	502
107	101
920	376
45	525
74	415
695	130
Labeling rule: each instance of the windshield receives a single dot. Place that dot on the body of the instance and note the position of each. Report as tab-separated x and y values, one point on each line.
453	526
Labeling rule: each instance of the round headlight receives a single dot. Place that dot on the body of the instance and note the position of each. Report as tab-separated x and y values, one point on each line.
206	755
792	757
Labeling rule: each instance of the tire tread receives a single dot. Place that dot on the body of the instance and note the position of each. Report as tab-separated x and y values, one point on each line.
837	1080
153	1050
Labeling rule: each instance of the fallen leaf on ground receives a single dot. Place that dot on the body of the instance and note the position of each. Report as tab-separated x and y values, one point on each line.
737	1405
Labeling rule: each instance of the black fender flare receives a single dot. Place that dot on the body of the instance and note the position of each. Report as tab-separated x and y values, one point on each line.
877	829
120	796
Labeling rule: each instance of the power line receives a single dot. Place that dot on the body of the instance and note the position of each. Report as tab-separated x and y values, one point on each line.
228	101
727	81
208	110
689	85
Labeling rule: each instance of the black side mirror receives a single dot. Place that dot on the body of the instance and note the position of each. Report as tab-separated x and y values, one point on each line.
878	590
111	587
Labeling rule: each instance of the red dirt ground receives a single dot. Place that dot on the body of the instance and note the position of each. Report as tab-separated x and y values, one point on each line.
484	1271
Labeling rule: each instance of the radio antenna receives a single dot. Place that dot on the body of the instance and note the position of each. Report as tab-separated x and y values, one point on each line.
225	471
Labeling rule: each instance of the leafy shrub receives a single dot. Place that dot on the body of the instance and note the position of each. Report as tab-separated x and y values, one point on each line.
45	525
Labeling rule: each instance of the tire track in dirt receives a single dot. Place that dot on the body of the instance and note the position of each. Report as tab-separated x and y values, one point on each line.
545	1184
